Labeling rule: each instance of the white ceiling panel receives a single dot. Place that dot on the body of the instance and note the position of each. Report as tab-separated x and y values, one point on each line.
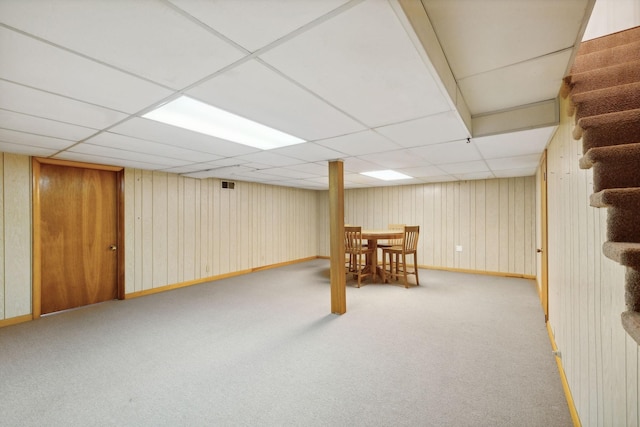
363	62
351	77
23	138
269	158
519	162
40	65
119	155
256	92
524	83
474	175
308	152
428	130
39	126
33	102
147	38
514	173
394	159
27	150
532	141
128	143
448	152
422	171
360	143
465	167
485	35
171	135
256	23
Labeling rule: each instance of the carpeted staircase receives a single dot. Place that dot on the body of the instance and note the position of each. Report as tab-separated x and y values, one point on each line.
604	88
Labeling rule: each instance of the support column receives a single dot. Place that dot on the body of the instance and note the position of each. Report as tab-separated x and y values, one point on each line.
336	239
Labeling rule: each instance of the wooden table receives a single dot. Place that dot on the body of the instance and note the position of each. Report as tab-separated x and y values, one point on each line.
372	237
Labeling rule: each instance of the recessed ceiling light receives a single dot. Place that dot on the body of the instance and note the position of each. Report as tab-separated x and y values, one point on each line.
187	113
387	175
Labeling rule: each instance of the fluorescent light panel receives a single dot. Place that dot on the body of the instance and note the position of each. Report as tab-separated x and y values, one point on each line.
187	113
386	175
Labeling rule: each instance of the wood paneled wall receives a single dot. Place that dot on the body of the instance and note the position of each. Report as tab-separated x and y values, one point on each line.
586	294
15	236
493	221
182	229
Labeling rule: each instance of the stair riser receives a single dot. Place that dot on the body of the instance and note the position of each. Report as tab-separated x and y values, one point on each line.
628	100
621	174
605	58
605	77
632	289
623	225
618	39
610	134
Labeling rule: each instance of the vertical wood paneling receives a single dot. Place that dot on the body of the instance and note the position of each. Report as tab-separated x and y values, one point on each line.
2	244
147	230
160	227
17	235
173	227
130	230
586	294
493	237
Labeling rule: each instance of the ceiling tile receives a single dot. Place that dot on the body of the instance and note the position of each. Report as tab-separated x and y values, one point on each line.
422	171
40	65
439	178
532	141
36	103
289	173
256	92
227	172
39	126
29	139
256	23
360	143
484	35
167	134
119	155
313	168
428	130
397	159
474	175
520	162
269	158
363	62
309	152
514	173
465	167
448	152
131	36
27	150
357	165
105	160
524	83
128	143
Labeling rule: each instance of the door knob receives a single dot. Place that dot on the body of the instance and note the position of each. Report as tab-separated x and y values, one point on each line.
539	250
113	247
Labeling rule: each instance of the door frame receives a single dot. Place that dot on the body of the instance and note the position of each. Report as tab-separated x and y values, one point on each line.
544	245
37	217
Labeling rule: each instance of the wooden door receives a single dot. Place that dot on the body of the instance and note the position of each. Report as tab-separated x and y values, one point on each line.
78	212
544	258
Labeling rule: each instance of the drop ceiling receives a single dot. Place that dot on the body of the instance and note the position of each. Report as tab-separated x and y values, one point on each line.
440	90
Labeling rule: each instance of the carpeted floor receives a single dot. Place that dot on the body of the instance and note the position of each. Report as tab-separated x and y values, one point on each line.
264	350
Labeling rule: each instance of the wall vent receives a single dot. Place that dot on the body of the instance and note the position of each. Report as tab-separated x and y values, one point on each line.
228	184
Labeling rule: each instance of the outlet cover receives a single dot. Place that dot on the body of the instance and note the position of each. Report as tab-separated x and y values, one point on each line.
458	248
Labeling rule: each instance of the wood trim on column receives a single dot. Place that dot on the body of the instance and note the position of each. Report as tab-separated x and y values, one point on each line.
36	299
336	238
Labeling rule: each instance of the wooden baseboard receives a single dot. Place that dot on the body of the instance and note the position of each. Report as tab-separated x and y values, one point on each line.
15	320
563	377
212	278
466	270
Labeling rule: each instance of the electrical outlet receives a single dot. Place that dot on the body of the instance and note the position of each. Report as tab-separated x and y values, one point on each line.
458	248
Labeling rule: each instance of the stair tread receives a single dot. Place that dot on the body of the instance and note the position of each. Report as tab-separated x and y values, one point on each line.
624	253
614	117
611	153
615	197
628	89
610	40
606	57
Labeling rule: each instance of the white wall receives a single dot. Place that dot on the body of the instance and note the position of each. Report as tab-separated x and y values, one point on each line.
493	221
611	16
586	294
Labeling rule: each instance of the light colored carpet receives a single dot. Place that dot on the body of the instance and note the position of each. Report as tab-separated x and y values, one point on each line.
264	350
